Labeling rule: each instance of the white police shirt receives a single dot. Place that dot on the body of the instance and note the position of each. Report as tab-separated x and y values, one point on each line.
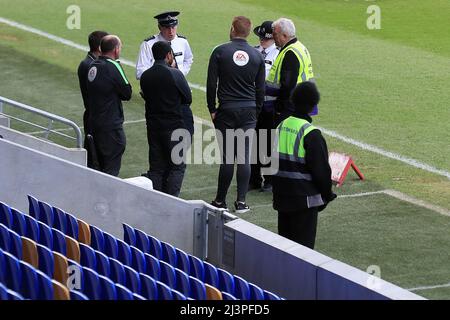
271	55
181	50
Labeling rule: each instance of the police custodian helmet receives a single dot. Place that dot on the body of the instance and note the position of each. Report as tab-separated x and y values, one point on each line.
167	19
264	31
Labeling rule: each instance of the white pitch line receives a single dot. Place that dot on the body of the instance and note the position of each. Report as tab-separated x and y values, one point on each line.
361	145
430	287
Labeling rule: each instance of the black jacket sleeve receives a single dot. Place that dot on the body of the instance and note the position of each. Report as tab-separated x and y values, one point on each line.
260	86
288	80
317	163
183	86
211	82
82	78
121	83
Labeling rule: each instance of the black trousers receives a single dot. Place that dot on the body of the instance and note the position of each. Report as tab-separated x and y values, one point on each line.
265	122
299	226
188	118
110	146
232	119
166	175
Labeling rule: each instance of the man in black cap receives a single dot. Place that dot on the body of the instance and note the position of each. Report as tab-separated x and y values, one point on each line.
94	40
183	58
165	91
269	52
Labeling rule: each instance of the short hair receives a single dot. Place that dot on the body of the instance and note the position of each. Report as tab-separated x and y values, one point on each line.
109	43
305	96
287	27
160	50
242	26
95	38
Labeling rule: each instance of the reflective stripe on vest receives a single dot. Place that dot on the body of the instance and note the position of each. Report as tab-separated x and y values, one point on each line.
305	72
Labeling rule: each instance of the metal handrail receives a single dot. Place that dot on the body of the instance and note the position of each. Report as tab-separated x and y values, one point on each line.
52	117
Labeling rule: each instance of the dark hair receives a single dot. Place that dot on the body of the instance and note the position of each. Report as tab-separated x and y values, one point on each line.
242	26
95	38
160	50
305	96
109	43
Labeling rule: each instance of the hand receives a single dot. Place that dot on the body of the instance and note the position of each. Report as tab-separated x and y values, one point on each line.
213	116
322	207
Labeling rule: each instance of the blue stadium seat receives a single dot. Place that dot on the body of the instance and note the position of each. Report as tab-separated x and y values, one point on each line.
44	285
138	260
3	292
18	222
164	291
117	271
123	293
2	267
103	264
46	214
148	287
227	296
111	249
97	239
153	266
142	241
32	228
138	297
46	262
226	281
77	295
87	257
107	288
270	296
183	261
15	245
155	247
169	254
168	274
196	268
5	238
75	270
182	282
91	285
13	295
241	288
45	235
72	226
33	207
256	293
177	295
129	235
211	274
5	215
132	279
60	220
124	252
198	290
29	287
59	242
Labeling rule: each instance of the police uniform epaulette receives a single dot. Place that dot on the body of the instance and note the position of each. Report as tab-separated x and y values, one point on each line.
149	38
181	36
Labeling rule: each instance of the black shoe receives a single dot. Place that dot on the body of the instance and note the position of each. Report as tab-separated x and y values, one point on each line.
241	207
267	187
145	174
220	205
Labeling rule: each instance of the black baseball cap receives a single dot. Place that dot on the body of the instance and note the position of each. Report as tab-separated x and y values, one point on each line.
264	31
167	19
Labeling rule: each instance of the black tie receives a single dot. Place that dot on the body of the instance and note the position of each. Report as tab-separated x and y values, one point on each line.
264	53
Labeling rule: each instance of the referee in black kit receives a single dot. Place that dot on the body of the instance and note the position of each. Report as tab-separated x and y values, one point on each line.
239	71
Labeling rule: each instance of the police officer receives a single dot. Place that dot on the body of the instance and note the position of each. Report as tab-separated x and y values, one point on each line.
107	86
302	186
292	66
269	52
165	91
236	75
167	24
94	40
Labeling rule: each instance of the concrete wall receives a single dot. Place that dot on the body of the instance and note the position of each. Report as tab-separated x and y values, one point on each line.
97	198
75	155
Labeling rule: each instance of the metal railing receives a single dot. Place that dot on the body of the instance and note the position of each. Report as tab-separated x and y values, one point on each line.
52	118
